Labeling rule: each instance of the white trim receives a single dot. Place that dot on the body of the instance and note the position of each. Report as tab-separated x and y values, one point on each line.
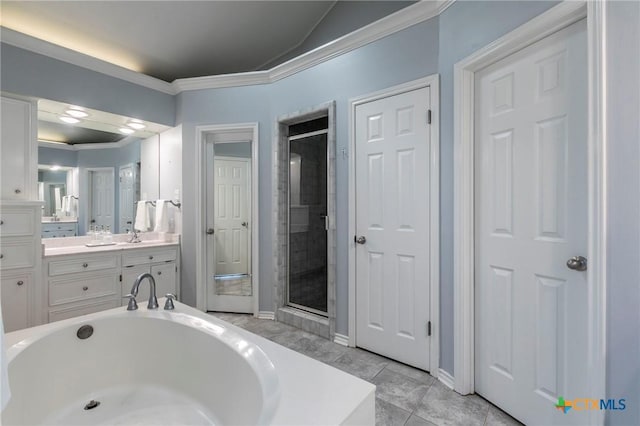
82	146
266	315
556	18
341	339
433	82
221	81
446	378
200	169
27	42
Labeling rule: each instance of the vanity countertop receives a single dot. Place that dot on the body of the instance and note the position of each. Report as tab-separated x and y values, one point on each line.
76	245
47	221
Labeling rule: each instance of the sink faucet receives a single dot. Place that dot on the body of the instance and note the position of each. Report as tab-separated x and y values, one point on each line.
153	300
134	237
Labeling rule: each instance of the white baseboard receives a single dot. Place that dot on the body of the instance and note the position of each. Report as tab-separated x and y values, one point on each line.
341	339
446	378
266	315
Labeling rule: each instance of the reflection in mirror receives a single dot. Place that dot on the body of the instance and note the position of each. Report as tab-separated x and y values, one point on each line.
232	217
103	153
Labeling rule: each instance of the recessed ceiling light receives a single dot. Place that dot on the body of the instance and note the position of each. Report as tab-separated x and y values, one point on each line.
77	113
126	131
136	125
68	119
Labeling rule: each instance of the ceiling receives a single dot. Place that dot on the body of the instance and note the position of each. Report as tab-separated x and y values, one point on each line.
96	127
182	39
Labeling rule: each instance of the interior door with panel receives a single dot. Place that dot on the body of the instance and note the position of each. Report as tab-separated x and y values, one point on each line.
229	225
392	221
530	221
102	197
127	198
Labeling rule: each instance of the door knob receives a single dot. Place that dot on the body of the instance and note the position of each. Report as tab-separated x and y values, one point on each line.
577	263
360	240
245	224
210	231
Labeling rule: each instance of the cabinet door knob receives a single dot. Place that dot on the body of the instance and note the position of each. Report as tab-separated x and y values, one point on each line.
159	272
20	282
1	256
85	288
17	191
1	222
150	257
84	265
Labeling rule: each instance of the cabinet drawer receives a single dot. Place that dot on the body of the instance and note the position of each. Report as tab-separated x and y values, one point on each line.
58	234
51	227
82	287
61	314
147	257
17	222
17	254
82	264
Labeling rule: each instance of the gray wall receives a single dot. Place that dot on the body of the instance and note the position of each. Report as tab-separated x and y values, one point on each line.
623	185
61	157
30	74
464	28
401	57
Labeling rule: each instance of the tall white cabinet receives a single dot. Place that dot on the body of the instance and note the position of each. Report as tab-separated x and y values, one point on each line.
20	215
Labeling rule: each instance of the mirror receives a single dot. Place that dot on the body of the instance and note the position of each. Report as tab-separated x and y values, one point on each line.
232	217
97	160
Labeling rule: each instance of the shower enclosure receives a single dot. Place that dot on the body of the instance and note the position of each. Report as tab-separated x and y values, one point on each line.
308	221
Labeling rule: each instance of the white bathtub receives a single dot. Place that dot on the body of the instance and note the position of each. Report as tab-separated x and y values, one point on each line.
181	367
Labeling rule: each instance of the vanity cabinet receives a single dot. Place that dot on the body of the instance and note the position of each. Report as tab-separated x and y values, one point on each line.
59	229
82	284
18	149
19	263
161	263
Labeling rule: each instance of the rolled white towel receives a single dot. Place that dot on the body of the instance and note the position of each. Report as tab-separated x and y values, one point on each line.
143	221
162	216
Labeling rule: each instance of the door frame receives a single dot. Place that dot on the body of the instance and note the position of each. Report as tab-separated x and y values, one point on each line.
89	201
133	171
551	21
433	82
201	187
250	185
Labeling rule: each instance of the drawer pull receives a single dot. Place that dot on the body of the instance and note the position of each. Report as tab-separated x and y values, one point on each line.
1	222
85	288
1	256
20	282
85	265
150	257
159	272
17	191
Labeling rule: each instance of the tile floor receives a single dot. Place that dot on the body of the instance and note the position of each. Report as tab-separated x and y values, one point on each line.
404	395
233	285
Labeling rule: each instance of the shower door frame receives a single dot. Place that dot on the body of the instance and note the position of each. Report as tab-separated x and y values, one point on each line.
303	319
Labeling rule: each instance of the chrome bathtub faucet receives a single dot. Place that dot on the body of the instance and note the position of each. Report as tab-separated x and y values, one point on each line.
134	237
153	300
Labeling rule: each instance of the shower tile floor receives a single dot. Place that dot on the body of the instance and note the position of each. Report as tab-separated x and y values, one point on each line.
404	395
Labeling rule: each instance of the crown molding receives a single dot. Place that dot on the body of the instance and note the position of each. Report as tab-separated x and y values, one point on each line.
86	146
43	47
222	80
398	21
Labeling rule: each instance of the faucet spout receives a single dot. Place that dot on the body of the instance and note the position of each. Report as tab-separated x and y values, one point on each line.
153	300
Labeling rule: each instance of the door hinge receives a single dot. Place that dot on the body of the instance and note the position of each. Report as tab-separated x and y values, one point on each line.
428	328
120	277
428	116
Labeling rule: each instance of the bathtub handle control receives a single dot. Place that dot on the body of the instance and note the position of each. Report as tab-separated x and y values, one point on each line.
133	305
168	305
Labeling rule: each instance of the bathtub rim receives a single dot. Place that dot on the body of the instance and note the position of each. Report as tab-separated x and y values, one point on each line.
18	341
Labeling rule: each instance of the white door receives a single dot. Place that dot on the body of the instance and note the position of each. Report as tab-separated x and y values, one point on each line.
231	219
392	214
531	217
102	197
126	180
229	233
